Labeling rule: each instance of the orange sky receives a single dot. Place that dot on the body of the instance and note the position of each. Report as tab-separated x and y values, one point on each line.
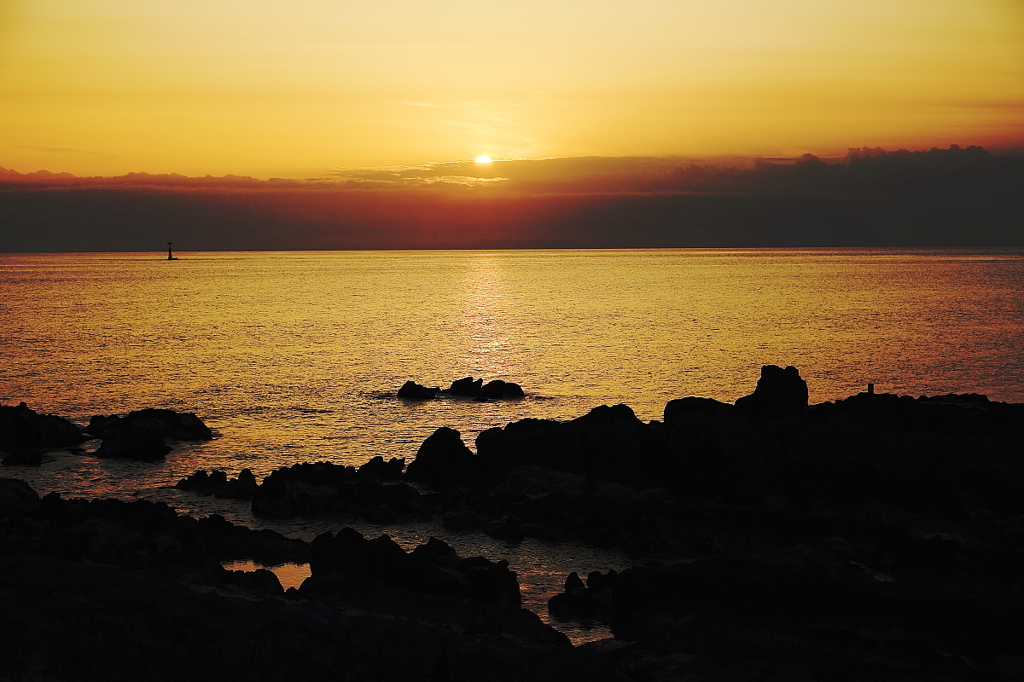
294	89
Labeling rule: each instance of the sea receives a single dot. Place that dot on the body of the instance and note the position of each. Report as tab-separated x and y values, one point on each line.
296	356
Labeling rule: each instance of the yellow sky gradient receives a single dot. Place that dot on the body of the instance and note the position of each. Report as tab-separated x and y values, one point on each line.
292	89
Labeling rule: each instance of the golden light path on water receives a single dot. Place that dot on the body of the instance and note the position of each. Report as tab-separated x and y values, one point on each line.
294	357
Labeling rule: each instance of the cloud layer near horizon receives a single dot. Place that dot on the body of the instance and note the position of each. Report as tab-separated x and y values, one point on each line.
942	197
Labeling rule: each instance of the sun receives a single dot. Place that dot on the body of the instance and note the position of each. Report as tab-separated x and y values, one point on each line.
483	159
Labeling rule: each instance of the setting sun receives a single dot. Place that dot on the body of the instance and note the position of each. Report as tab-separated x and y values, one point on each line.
483	159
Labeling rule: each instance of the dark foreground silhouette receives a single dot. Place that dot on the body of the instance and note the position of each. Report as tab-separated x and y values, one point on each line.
878	537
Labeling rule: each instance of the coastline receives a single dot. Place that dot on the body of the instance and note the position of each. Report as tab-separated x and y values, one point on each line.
872	537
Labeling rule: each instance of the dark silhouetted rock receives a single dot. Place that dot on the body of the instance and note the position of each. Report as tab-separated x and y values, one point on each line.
413	391
101	589
163	423
325	488
241	488
780	394
216	483
202	482
608	443
144	446
508	530
575	602
692	405
379	470
433	568
501	389
466	387
443	459
24	457
16	497
23	430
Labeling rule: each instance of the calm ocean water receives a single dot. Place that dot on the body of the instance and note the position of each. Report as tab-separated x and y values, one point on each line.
291	357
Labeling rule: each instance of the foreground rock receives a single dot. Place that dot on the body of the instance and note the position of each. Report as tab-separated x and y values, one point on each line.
839	598
112	590
433	568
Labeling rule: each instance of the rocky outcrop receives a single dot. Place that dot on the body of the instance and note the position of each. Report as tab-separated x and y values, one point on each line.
140	435
325	488
410	390
216	483
443	459
433	568
467	387
838	593
132	444
780	394
16	497
24	433
112	590
608	443
691	405
382	471
585	601
162	423
72	620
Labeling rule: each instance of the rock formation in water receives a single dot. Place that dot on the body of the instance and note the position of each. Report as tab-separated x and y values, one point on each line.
163	423
140	435
131	444
24	434
413	391
216	483
325	488
467	387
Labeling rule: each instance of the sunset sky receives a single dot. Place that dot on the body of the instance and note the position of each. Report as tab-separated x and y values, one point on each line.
296	89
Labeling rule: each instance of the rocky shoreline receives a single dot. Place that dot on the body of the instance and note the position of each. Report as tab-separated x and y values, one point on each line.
873	538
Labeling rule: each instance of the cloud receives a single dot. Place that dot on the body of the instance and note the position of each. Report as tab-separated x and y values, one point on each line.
871	197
